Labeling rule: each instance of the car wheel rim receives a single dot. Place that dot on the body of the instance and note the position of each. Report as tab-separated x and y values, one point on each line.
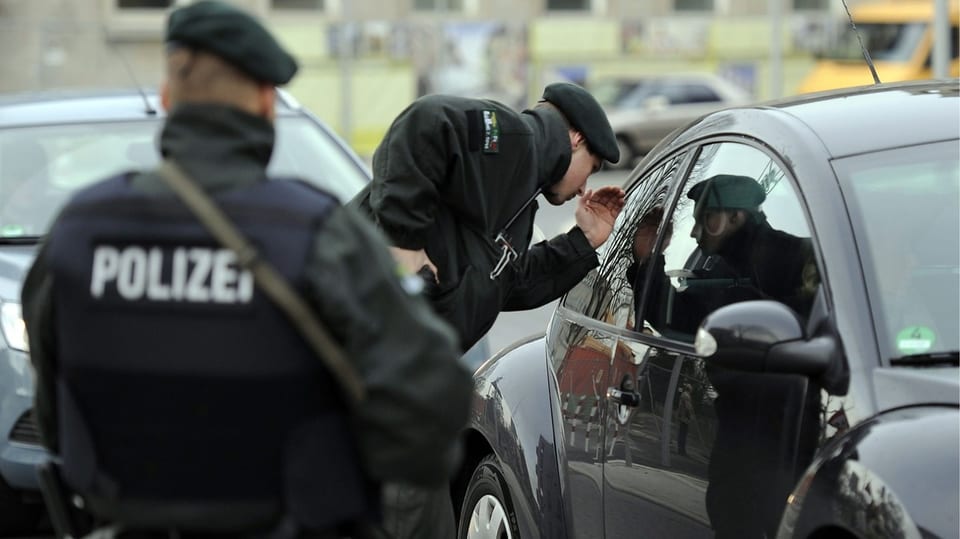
489	520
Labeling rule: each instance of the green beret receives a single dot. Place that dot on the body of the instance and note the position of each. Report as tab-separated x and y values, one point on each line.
727	192
235	36
586	116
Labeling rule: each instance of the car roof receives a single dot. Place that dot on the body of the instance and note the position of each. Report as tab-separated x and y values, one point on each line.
843	122
86	106
867	118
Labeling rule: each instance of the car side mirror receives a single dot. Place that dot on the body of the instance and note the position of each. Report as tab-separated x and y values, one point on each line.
763	336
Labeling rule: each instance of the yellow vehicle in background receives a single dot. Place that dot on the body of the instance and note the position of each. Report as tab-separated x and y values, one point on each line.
899	37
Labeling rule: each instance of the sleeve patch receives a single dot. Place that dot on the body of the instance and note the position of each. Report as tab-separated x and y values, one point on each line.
491	132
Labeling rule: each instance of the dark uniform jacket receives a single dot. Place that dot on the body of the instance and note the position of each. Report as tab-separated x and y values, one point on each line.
341	267
448	177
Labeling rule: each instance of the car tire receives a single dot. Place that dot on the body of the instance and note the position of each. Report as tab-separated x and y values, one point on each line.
486	512
16	515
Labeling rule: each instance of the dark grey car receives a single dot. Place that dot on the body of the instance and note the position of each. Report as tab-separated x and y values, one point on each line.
829	413
50	146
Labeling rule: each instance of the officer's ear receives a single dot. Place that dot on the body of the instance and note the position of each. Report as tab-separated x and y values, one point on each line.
576	139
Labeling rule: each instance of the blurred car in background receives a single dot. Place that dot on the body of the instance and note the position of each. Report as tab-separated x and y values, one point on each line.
828	409
644	109
54	144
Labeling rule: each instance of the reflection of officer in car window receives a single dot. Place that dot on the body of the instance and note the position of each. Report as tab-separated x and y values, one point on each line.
643	242
741	257
763	422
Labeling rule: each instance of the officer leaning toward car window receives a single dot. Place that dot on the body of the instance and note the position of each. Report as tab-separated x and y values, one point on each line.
168	384
454	189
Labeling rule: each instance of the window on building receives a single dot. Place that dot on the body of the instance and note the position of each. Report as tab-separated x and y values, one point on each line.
144	4
438	5
297	4
568	5
693	5
809	4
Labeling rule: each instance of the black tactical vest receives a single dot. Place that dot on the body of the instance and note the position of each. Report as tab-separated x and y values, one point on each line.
179	382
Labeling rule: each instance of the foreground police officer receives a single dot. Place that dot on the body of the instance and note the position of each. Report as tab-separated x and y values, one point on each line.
176	394
454	189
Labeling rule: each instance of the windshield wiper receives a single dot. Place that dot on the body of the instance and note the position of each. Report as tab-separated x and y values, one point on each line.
928	359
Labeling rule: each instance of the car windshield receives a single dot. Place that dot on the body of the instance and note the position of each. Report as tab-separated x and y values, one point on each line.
905	206
41	166
891	42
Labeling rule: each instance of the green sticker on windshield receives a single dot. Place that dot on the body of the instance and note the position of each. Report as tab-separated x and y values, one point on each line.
915	340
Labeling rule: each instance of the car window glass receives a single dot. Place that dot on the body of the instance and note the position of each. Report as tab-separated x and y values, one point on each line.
886	41
304	151
607	293
739	233
640	94
675	93
700	93
40	167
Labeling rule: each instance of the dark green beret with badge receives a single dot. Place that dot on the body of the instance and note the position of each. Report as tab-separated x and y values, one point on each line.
727	192
235	36
586	116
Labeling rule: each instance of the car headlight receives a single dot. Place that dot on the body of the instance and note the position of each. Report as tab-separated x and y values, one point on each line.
14	330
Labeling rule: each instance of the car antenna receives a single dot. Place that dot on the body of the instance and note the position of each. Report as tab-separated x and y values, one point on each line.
866	54
126	67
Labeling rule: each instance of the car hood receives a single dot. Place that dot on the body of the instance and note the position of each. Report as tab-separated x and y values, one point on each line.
899	386
15	260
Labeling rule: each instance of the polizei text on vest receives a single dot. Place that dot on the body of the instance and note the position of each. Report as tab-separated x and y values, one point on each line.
180	274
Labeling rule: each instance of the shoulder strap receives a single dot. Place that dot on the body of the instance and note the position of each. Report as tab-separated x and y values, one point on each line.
269	280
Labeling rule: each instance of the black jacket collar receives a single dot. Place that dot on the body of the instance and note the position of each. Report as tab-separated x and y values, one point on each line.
551	145
219	146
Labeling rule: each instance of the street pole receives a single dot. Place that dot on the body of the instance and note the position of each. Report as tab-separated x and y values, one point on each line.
941	39
775	12
346	75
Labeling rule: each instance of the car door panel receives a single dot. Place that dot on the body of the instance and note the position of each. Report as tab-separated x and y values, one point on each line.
582	358
643	469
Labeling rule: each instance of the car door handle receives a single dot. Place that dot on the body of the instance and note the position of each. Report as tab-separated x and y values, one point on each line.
626	398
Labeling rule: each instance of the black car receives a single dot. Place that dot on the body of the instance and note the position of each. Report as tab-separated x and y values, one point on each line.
52	144
801	381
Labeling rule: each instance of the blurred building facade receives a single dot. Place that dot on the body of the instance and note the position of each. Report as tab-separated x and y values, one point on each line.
364	60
